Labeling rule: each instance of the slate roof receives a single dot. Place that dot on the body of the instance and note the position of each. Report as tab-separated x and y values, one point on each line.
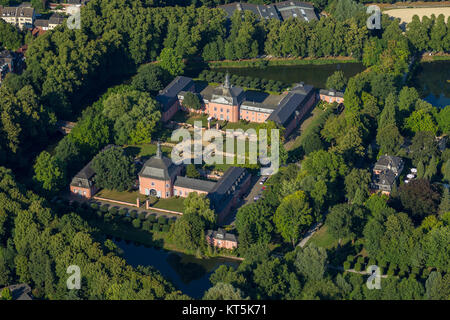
158	167
281	10
386	161
224	189
83	178
169	94
296	9
291	103
20	291
332	93
385	179
221	234
56	19
42	23
196	184
234	95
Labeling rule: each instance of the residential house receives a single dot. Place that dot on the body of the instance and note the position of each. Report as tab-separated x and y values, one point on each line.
19	291
385	173
22	16
83	183
331	96
7	63
221	239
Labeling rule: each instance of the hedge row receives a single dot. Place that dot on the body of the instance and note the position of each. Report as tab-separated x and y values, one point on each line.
241	81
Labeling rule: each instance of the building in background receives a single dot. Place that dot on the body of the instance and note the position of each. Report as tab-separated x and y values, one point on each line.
385	173
331	96
221	239
281	10
22	16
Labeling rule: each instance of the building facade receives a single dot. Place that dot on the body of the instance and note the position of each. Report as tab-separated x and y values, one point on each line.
22	16
221	239
331	96
385	173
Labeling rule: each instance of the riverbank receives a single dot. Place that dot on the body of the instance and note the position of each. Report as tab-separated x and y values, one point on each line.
264	62
159	240
435	57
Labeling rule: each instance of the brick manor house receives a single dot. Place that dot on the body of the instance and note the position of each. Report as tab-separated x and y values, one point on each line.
161	178
231	103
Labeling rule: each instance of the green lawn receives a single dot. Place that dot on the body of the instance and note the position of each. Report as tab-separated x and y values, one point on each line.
323	239
126	196
309	123
173	203
146	150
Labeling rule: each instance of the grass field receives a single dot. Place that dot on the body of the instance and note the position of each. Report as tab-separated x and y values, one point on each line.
406	14
126	196
173	204
323	239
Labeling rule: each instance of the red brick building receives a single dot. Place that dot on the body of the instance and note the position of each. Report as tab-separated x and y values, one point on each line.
221	239
331	96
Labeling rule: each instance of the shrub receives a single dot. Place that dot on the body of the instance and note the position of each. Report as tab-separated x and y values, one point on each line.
94	206
171	221
347	265
358	266
133	214
152	218
415	270
142	215
350	258
113	211
360	260
162	220
136	223
155	227
372	262
99	213
382	263
165	228
391	271
147	225
123	211
104	208
425	273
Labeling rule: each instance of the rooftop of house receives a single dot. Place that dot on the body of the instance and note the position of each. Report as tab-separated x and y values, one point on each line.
84	176
263	100
290	103
281	10
391	162
169	94
385	178
56	19
19	12
196	184
331	92
221	234
41	23
158	167
20	291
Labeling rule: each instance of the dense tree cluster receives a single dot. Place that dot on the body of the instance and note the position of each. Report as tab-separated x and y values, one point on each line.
43	245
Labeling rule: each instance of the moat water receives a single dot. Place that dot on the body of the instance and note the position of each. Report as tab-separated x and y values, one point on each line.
187	273
432	79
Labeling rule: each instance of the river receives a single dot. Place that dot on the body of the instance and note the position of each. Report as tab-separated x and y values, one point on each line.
188	273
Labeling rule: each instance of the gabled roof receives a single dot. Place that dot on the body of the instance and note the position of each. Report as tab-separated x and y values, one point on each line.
332	93
221	234
388	161
169	94
42	23
196	184
56	19
385	178
290	104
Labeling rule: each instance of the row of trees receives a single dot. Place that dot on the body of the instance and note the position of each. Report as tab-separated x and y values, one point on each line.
241	81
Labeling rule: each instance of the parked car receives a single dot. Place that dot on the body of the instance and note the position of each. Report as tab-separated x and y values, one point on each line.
263	180
256	198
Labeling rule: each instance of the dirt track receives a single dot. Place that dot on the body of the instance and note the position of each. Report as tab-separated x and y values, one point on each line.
406	15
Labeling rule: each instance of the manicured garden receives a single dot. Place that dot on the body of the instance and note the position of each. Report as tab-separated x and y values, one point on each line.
172	203
126	196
